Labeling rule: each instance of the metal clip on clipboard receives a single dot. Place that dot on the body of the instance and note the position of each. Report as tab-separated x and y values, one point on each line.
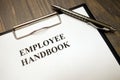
33	21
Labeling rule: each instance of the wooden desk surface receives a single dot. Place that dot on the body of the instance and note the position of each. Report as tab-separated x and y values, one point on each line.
14	12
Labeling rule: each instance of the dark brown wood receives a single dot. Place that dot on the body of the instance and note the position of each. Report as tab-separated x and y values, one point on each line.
14	12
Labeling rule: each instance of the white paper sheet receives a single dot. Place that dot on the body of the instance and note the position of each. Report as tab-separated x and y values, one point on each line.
78	52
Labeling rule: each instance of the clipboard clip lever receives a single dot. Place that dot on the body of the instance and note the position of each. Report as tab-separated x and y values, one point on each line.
34	21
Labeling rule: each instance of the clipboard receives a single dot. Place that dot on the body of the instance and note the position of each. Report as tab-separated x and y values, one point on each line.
61	37
55	13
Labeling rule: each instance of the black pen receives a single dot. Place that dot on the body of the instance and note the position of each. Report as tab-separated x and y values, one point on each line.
102	26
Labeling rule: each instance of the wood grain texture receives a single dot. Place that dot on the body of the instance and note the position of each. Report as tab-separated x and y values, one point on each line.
14	12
